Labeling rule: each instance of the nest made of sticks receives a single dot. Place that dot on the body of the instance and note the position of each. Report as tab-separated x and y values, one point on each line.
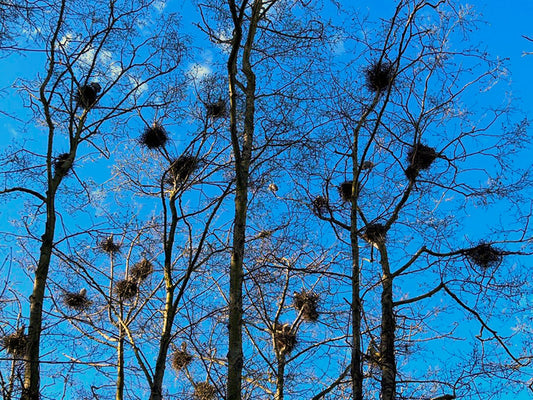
182	168
141	270
109	246
284	338
345	190
181	359
87	94
77	300
62	164
375	233
15	343
307	304
379	76
154	136
367	165
216	109
420	157
126	289
320	205
204	391
484	255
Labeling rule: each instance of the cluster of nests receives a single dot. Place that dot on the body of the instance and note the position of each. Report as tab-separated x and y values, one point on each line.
15	343
181	359
126	289
87	95
484	255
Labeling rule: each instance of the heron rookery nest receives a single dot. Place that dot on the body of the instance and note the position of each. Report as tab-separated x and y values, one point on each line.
154	136
181	359
284	338
77	300
204	391
182	168
379	76
375	233
87	94
420	157
345	190
141	270
62	164
216	109
107	245
484	255
320	205
126	289
307	304
15	344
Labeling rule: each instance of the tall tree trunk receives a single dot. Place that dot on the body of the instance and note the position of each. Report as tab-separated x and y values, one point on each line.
280	378
120	363
388	327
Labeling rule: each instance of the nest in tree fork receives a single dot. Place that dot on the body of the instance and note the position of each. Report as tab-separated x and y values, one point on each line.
181	359
15	344
87	94
284	338
182	168
126	289
77	300
420	157
307	304
375	233
320	205
142	270
379	76
216	109
109	246
484	255
204	391
345	190
154	136
62	164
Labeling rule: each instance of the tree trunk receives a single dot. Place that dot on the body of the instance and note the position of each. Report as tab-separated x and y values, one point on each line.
280	378
120	364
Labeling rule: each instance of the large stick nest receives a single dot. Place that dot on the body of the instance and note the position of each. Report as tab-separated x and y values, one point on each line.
154	136
320	205
141	270
181	359
379	76
284	338
216	109
15	344
126	289
204	391
77	300
420	157
307	304
62	164
345	190
375	233
182	168
87	95
484	255
109	246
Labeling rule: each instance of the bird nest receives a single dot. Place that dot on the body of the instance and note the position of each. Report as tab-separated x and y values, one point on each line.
15	344
204	391
307	304
182	168
284	338
420	157
87	95
126	289
62	164
154	136
379	76
484	255
320	205
345	190
141	270
181	359
77	300
216	109
109	246
375	233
